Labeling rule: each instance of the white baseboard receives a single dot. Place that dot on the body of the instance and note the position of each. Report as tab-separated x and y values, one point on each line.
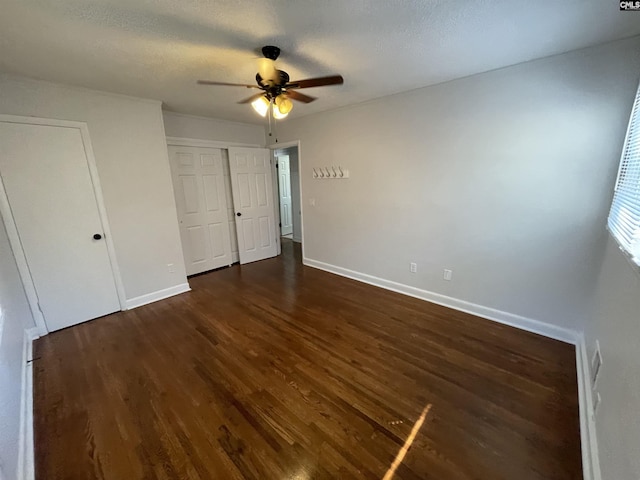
159	295
588	439
26	468
523	323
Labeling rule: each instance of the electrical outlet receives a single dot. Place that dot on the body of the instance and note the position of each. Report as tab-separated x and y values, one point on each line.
448	274
413	267
171	267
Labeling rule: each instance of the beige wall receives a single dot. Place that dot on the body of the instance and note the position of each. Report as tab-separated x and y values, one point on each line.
189	126
128	140
504	177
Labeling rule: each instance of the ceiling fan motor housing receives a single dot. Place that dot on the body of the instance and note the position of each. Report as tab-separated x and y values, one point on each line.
273	89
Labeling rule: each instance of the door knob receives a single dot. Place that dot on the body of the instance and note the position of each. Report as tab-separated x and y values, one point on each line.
239	214
97	236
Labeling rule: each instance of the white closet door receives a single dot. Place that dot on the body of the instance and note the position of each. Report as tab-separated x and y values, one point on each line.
235	256
198	183
284	189
46	177
252	186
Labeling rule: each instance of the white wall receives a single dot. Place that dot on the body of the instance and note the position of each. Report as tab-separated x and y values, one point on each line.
129	143
15	317
615	322
189	126
504	177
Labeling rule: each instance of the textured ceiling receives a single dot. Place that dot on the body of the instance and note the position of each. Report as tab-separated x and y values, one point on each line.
159	48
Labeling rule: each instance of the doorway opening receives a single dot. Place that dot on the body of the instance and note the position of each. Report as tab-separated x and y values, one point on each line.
288	173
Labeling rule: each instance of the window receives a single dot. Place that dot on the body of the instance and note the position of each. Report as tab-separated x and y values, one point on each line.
624	217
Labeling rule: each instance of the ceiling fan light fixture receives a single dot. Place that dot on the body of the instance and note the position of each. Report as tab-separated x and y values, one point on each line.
261	105
278	114
284	104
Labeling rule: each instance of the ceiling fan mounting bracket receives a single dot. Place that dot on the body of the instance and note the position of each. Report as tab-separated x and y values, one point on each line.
271	52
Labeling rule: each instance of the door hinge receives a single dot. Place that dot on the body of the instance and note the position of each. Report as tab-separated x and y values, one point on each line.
40	308
276	164
280	224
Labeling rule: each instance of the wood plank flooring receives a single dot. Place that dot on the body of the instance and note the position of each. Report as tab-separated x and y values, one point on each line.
273	370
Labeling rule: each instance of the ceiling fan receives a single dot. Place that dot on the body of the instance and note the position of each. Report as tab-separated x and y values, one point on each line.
277	90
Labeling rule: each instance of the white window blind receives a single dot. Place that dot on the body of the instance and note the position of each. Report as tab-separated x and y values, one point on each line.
624	217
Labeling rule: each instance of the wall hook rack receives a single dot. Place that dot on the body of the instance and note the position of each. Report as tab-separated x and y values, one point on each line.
333	172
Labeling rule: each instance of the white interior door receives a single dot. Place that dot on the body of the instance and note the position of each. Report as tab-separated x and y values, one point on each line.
284	189
198	183
252	187
46	177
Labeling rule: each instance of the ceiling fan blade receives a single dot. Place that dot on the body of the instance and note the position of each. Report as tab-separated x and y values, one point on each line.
251	98
317	82
209	82
301	97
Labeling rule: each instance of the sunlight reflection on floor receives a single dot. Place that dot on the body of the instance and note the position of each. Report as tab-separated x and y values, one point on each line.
407	444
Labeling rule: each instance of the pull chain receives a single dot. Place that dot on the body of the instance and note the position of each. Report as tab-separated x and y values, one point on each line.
270	113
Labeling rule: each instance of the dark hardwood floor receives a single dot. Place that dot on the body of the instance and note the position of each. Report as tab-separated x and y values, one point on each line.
278	371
